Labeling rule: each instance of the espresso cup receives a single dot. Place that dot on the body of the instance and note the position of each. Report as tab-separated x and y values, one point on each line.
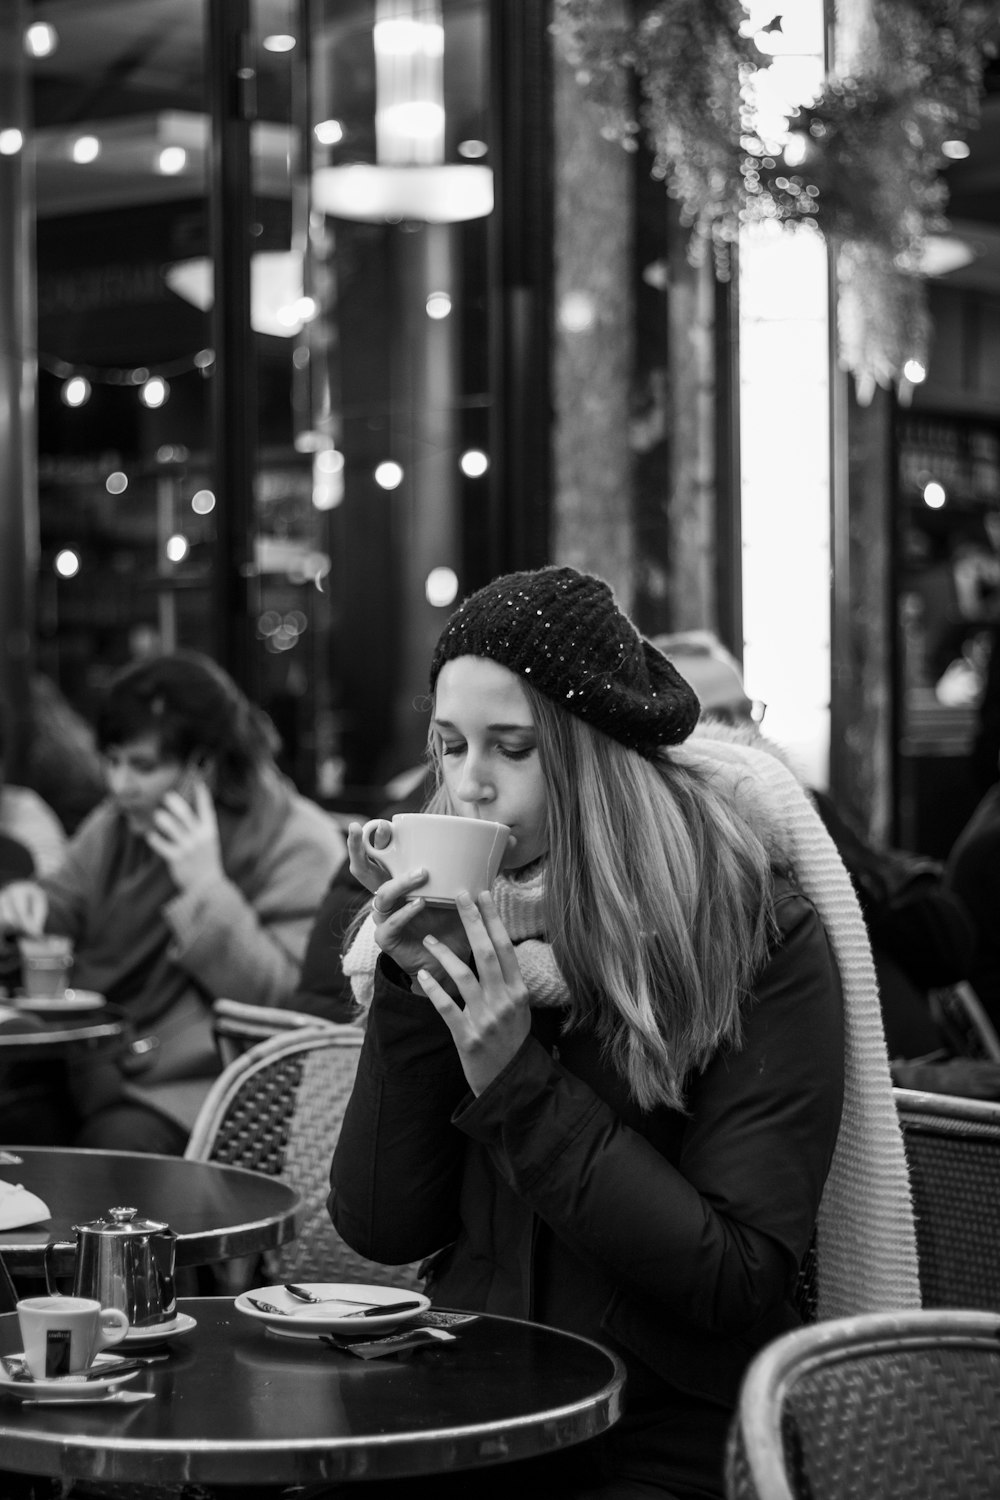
457	853
45	966
62	1335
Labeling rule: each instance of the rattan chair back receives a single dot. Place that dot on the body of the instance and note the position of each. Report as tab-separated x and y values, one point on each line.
888	1406
953	1151
238	1026
277	1109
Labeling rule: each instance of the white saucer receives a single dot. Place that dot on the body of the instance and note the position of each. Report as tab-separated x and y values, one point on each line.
66	1387
160	1332
72	1003
310	1320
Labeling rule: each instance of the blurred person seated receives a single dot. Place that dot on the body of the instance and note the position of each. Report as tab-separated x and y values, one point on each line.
24	1086
197	877
921	933
28	820
16	863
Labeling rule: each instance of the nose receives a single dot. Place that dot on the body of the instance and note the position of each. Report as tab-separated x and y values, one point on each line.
474	785
120	779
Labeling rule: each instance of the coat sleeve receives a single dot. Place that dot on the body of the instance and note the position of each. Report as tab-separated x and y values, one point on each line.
715	1235
397	1130
253	950
323	988
70	885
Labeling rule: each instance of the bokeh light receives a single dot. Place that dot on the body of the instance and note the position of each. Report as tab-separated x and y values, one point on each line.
389	475
76	391
474	463
441	587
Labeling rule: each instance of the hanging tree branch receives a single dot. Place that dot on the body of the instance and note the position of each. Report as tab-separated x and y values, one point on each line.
863	163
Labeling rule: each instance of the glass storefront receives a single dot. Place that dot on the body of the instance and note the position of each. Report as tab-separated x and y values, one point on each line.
366	385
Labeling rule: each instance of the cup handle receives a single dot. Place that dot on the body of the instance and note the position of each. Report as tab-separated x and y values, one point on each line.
378	855
113	1326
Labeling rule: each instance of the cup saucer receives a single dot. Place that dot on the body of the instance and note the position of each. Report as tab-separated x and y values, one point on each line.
160	1332
68	1387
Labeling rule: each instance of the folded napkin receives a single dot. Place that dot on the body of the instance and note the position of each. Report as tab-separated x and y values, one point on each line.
19	1207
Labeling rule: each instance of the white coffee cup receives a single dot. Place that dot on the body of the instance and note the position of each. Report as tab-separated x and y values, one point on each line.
457	853
63	1334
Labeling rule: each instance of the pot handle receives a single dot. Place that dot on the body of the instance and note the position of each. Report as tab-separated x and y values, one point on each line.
50	1249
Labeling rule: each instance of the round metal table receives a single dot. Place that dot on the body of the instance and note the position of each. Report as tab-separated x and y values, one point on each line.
238	1405
63	1037
218	1212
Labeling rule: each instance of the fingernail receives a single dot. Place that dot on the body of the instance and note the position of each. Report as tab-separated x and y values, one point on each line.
463	896
430	942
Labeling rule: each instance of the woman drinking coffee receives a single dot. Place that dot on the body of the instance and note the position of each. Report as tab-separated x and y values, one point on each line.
608	1094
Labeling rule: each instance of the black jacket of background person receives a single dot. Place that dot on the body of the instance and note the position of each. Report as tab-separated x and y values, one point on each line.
674	1238
922	936
973	873
323	989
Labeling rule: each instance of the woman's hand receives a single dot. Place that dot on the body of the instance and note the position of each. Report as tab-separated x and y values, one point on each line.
497	1017
187	838
402	917
24	907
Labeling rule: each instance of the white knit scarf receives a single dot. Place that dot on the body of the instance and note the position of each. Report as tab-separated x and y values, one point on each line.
866	1244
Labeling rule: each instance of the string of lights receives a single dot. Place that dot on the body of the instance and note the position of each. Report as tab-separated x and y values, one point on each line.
151	382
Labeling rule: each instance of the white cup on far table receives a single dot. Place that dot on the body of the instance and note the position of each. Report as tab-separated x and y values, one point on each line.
457	853
62	1335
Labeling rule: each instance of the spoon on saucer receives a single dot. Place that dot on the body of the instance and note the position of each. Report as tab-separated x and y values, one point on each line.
304	1296
374	1310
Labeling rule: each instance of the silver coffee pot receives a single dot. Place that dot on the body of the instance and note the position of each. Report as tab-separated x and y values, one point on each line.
124	1261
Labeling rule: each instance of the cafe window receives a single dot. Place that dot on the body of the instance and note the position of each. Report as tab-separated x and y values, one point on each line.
948	604
372	289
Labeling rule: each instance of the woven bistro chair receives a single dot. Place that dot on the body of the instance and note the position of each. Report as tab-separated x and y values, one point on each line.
277	1109
887	1406
953	1151
238	1026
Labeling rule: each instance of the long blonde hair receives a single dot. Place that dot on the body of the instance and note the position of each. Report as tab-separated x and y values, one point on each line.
658	902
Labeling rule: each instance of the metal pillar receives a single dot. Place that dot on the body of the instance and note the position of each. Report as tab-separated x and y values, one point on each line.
521	275
18	379
231	90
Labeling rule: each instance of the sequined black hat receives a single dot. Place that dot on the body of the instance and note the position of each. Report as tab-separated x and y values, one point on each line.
563	632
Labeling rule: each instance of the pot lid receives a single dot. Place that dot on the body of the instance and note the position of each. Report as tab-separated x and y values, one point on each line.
123	1221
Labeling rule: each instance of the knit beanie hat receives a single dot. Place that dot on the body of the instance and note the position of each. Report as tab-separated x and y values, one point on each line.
563	632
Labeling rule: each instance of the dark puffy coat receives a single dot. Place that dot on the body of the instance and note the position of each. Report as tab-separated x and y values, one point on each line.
673	1238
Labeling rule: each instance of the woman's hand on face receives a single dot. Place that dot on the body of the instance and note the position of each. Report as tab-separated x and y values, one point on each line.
497	1017
187	838
24	907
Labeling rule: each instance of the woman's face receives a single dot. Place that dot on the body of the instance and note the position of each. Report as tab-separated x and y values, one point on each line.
138	778
489	752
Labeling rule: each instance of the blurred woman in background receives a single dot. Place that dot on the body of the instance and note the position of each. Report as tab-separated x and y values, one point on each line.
198	876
